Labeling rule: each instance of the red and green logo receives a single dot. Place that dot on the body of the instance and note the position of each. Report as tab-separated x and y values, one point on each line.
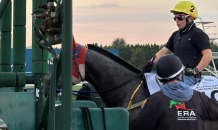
182	112
178	105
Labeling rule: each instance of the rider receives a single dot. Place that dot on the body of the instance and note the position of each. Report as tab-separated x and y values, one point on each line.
176	106
189	43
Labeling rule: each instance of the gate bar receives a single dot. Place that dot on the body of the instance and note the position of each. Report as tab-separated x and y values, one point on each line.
3	6
66	65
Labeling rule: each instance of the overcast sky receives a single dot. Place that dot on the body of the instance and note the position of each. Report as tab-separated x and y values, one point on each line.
137	21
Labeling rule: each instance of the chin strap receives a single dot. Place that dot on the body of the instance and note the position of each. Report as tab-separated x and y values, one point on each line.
188	25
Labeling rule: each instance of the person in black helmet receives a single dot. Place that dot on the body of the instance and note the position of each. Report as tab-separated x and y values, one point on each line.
189	43
176	106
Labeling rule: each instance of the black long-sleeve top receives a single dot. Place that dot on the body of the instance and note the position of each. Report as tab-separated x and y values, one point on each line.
163	113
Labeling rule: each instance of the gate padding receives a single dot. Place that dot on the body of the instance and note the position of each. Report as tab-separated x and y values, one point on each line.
115	118
17	110
80	103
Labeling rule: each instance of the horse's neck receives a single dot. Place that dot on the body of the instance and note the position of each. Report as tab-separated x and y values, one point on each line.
104	73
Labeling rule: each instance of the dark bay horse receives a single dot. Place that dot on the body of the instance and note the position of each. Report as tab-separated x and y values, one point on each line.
104	71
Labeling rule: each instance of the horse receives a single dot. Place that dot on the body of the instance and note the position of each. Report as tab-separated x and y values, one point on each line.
105	71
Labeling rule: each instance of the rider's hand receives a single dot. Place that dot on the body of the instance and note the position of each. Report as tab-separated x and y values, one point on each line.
195	72
148	67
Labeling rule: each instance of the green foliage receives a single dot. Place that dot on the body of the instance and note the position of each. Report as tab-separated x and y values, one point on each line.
138	55
119	42
138	58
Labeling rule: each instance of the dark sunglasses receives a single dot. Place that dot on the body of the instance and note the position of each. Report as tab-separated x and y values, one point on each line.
180	17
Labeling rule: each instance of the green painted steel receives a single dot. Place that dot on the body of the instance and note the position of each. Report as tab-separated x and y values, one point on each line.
3	6
52	91
11	79
39	56
7	79
21	79
19	17
30	79
66	64
18	110
5	41
82	103
40	98
11	89
19	37
5	22
19	49
44	117
115	118
5	52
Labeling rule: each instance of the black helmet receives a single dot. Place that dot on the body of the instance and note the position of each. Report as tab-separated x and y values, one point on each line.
169	67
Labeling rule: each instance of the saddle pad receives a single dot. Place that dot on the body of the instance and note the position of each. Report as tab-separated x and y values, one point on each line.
153	85
207	85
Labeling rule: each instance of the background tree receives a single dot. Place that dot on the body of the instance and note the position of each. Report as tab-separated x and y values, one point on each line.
119	42
138	58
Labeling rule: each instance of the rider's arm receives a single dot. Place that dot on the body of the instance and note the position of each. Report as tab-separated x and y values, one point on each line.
161	53
202	42
168	49
207	57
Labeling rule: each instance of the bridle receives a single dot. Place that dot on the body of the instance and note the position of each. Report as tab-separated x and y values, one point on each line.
75	54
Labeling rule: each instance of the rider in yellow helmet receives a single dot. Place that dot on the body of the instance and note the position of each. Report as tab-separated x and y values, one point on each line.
189	43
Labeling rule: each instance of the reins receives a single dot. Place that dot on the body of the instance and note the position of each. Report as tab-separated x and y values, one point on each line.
121	85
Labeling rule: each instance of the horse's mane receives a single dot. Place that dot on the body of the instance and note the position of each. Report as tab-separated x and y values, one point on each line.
113	57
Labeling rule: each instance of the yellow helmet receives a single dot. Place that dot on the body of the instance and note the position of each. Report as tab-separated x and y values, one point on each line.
186	7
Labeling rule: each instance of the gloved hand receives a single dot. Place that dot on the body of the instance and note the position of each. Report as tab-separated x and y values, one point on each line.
148	67
189	72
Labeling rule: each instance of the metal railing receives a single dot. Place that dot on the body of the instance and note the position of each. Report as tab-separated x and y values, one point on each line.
215	55
212	36
211	70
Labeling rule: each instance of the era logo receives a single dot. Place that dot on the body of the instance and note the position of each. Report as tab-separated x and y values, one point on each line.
186	113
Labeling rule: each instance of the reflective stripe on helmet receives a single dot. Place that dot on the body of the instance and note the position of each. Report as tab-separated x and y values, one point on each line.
172	76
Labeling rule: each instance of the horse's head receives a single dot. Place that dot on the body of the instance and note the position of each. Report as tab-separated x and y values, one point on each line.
79	57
